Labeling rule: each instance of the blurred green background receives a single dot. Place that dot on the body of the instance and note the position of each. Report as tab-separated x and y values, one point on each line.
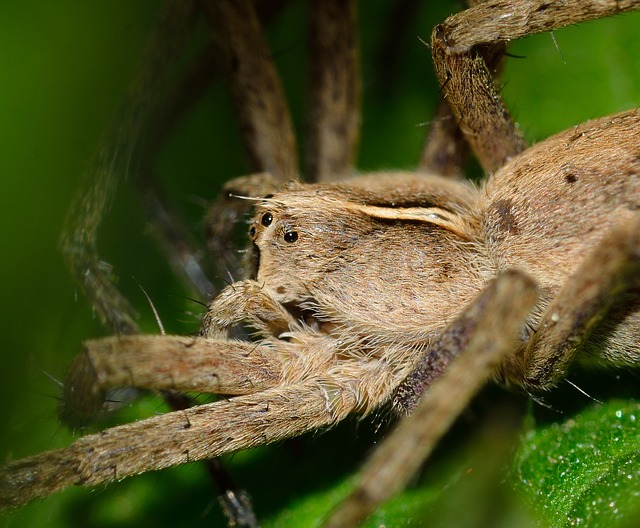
65	67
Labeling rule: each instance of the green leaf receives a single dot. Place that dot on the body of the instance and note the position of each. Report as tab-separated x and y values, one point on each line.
584	471
407	509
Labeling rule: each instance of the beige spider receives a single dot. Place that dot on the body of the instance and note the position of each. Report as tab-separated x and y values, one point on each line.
409	288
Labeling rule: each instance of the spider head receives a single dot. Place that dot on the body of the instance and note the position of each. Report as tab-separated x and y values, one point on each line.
315	245
280	244
289	232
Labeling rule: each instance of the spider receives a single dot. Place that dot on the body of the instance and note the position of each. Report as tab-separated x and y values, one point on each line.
260	222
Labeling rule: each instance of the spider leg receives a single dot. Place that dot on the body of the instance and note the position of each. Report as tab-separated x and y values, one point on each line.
606	274
467	83
446	150
192	85
498	315
167	225
170	363
322	396
255	87
174	238
334	90
197	433
166	363
263	116
112	161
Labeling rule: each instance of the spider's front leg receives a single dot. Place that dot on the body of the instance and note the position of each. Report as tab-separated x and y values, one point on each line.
189	364
308	390
180	437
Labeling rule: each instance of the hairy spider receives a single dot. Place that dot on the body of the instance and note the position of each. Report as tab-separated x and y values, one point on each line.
312	319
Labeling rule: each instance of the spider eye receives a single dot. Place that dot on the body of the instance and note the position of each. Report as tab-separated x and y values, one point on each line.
291	236
266	220
252	231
